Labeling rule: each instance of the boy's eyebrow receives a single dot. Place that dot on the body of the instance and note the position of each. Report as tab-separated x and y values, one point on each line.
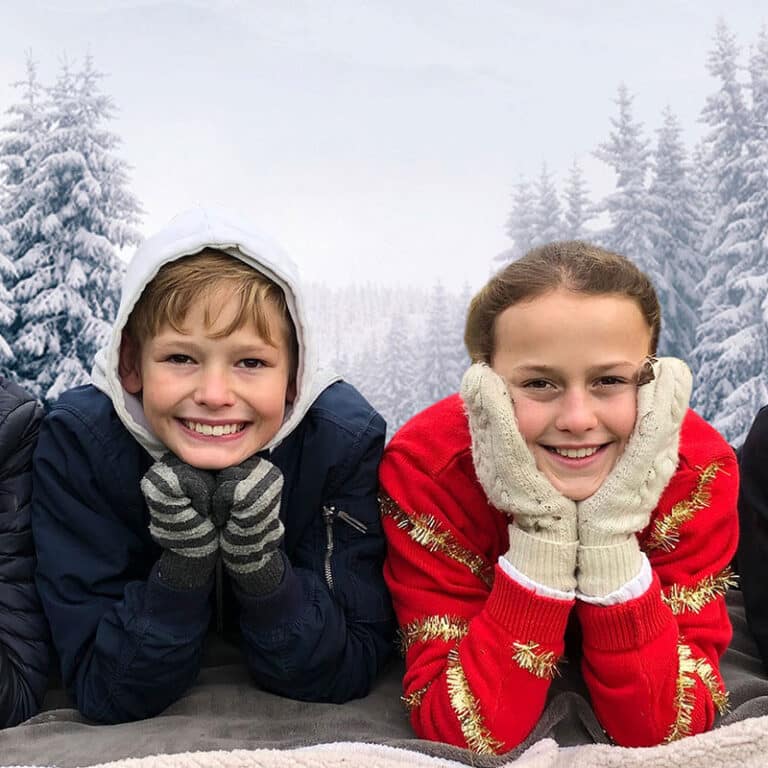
181	340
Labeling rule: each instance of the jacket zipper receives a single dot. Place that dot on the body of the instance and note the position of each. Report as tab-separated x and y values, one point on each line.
329	513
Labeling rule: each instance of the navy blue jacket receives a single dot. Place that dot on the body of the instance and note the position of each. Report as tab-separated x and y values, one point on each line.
129	645
24	641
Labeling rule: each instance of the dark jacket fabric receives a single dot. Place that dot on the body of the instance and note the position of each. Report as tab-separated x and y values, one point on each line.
130	645
24	641
752	554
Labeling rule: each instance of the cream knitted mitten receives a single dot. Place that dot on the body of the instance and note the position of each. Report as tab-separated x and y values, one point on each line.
542	535
609	553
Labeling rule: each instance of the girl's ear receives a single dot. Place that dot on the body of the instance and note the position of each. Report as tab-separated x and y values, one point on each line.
129	364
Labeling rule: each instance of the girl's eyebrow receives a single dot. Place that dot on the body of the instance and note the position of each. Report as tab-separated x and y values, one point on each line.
548	369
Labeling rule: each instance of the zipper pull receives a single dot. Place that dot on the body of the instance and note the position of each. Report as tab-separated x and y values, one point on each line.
353	521
330	512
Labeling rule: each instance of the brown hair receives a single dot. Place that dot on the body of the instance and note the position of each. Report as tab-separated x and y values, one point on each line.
570	264
178	284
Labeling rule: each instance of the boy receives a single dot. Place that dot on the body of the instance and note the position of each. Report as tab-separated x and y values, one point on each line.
210	460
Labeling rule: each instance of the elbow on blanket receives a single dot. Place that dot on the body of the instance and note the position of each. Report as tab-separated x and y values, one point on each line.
111	712
329	687
328	680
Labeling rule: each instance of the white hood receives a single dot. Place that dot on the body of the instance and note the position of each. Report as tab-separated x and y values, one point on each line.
188	233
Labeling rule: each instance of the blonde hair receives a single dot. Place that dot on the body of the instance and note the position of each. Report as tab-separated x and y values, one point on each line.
570	264
168	297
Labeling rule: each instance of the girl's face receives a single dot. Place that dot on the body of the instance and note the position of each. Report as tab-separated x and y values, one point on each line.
571	362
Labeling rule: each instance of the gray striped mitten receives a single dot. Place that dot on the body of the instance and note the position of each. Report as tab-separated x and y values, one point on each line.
179	500
250	541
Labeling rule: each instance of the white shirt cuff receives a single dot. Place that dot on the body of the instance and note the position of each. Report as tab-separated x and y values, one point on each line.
524	581
630	591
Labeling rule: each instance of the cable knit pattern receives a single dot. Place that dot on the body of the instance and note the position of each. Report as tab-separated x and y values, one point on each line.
609	554
542	537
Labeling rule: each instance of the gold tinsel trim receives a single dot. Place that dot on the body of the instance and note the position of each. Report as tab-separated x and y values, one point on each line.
681	599
425	530
684	694
711	682
413	700
666	534
530	658
467	709
433	628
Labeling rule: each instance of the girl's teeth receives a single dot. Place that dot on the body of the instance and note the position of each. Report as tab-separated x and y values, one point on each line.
576	453
215	431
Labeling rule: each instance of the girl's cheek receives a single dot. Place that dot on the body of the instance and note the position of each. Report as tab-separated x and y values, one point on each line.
626	415
530	417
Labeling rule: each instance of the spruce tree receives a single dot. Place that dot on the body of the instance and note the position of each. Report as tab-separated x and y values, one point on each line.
577	205
730	342
439	370
520	223
7	312
75	209
677	240
547	224
399	397
19	156
633	220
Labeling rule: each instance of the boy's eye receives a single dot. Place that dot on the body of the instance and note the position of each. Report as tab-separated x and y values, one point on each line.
179	359
251	362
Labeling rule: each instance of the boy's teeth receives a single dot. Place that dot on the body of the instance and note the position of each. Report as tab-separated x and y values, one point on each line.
215	431
576	453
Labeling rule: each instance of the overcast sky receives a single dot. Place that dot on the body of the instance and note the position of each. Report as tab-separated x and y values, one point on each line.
375	139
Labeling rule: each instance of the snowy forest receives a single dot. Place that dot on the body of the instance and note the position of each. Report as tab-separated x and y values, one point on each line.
695	218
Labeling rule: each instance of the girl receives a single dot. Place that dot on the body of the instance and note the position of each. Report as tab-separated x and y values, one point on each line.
568	480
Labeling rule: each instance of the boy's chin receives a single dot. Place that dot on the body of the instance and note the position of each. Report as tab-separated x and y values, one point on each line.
214	460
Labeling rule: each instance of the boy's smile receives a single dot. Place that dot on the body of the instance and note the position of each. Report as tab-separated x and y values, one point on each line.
213	400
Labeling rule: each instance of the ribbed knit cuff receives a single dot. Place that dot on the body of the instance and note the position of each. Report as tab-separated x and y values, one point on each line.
604	569
180	572
526	614
265	579
551	563
626	626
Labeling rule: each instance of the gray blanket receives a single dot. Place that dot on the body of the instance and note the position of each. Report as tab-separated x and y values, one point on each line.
225	711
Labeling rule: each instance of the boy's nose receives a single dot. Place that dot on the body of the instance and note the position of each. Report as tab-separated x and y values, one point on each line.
214	389
577	412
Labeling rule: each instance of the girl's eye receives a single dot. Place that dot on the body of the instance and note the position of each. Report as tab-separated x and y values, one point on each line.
179	359
537	384
251	362
610	381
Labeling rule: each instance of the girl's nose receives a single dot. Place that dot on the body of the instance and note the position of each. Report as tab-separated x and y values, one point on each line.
577	412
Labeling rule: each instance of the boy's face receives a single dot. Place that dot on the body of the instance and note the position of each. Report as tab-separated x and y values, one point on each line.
214	402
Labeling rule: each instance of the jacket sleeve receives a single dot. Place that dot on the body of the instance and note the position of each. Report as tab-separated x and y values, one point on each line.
753	520
480	649
128	645
652	664
24	639
325	632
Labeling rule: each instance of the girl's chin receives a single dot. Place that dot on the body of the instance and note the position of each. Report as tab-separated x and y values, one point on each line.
576	490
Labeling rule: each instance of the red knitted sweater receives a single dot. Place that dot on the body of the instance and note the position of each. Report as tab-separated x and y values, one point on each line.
481	649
